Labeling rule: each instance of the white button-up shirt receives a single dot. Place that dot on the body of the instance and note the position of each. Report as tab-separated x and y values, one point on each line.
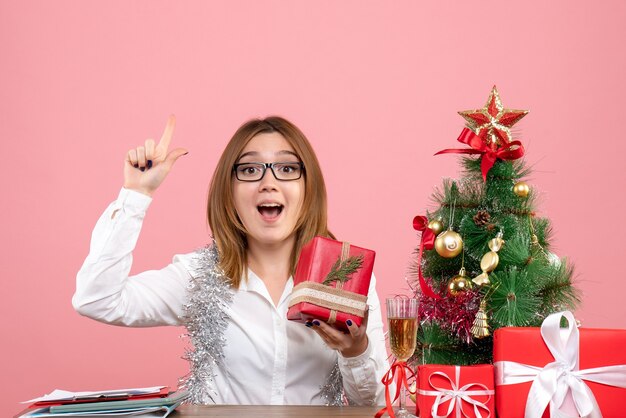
268	359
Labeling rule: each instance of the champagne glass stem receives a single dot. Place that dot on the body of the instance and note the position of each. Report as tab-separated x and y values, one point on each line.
402	410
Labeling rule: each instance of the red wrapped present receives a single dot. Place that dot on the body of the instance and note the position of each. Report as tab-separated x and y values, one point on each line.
455	391
552	371
331	283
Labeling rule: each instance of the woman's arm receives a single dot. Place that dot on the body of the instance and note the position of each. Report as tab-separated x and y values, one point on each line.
105	292
103	289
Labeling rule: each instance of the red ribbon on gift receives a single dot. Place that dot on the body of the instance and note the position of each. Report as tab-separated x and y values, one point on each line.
420	223
490	152
396	372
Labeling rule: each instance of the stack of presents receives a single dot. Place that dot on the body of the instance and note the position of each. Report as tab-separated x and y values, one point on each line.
552	371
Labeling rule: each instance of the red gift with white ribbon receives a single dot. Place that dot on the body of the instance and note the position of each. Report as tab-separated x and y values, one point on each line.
560	372
455	391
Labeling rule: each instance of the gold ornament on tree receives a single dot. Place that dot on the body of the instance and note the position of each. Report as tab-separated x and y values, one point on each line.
459	283
436	226
535	246
521	189
490	260
534	241
449	244
493	121
480	327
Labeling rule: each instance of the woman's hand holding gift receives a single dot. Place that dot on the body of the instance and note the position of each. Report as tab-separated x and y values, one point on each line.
349	344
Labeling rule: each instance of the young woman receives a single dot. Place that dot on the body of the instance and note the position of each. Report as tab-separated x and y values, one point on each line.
267	199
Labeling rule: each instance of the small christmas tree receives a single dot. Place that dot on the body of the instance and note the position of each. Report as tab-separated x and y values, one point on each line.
484	260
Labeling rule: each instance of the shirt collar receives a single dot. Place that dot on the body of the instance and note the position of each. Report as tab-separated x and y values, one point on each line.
255	284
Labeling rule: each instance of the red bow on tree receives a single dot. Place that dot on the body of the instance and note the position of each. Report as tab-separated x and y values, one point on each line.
420	223
490	152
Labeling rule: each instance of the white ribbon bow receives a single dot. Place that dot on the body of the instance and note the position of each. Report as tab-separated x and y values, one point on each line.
552	383
456	396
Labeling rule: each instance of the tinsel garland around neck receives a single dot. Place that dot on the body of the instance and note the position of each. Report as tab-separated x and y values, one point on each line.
206	320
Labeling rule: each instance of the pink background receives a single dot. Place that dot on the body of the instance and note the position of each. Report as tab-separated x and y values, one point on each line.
375	86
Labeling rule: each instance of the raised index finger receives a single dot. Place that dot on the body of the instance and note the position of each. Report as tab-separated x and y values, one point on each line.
166	138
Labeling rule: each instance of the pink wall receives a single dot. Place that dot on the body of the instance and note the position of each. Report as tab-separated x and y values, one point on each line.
375	88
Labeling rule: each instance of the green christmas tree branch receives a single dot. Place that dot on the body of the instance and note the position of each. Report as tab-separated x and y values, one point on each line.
515	302
342	270
557	292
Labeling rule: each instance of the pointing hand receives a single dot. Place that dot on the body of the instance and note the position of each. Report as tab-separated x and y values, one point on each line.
147	166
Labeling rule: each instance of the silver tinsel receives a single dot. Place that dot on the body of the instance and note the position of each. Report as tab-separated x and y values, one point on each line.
206	320
332	389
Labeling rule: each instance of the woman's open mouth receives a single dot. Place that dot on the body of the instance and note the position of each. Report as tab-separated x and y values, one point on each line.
270	211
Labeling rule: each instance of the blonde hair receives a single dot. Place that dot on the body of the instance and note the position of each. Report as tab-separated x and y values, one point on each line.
228	231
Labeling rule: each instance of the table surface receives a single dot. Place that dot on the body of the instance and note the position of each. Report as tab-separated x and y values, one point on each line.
274	411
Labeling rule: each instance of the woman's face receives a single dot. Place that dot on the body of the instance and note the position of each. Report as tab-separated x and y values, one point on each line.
268	208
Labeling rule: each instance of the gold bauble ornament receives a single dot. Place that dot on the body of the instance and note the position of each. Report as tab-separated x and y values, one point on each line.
449	244
521	189
436	226
459	283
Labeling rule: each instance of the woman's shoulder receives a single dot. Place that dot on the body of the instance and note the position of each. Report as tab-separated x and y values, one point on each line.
198	262
187	260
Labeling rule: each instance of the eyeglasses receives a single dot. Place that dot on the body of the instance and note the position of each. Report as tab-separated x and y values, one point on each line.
256	171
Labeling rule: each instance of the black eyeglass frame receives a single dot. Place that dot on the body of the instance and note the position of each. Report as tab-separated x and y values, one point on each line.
271	167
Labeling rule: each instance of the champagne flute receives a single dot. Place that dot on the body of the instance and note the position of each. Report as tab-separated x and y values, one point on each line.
402	318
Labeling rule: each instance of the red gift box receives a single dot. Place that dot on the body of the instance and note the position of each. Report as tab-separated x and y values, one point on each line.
455	391
335	302
564	359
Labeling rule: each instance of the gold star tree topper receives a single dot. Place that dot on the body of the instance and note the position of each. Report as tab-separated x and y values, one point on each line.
493	121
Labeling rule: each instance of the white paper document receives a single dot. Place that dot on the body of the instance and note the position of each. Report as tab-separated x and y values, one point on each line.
64	395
